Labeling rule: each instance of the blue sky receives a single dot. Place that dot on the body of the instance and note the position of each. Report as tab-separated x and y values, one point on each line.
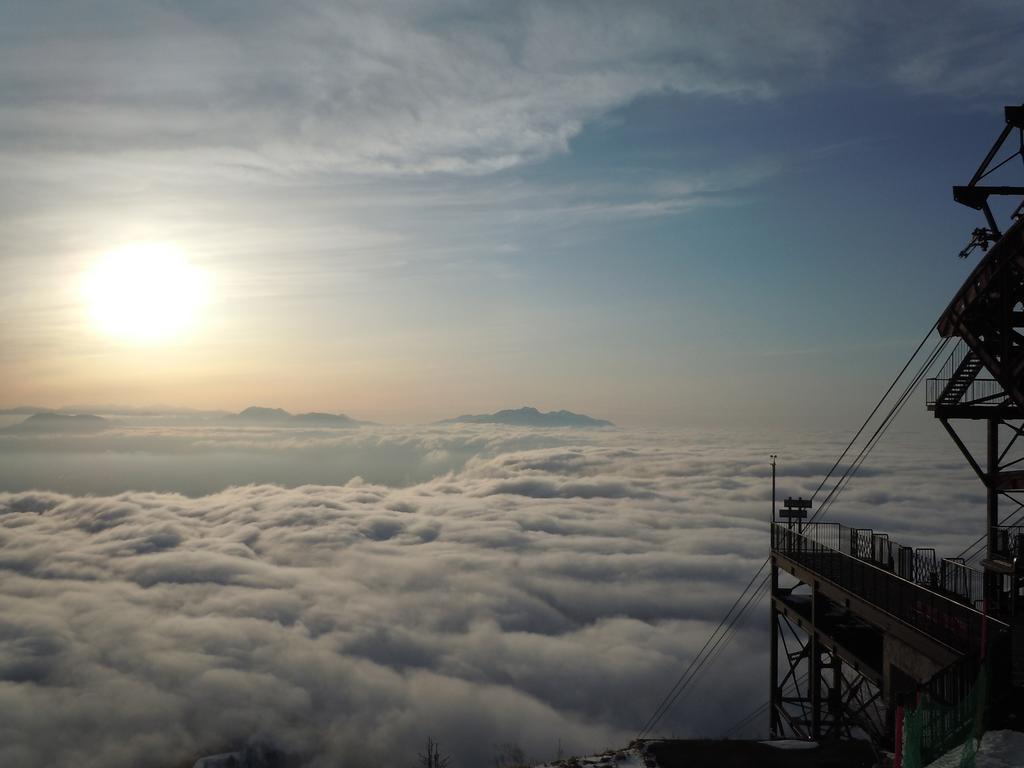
675	213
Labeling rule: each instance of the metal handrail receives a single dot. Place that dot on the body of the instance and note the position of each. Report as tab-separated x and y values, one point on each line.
979	392
956	358
952	621
1008	541
949	576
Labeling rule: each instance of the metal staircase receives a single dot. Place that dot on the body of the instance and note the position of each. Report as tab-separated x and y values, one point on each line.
958	390
961	379
988	315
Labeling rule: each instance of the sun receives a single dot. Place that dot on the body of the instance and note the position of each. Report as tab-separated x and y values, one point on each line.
146	292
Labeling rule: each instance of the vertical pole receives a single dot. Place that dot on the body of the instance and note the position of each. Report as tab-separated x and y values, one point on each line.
992	516
992	477
774	702
774	457
838	716
897	760
815	665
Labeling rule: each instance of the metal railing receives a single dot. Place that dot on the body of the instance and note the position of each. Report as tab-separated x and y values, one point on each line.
985	391
956	358
1008	541
979	392
883	579
951	577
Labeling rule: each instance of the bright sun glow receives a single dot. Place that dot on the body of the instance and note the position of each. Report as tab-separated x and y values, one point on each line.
145	293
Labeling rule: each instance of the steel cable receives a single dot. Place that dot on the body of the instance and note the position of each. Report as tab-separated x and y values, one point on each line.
732	616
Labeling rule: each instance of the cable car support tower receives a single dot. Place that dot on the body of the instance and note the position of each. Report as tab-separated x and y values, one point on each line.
861	624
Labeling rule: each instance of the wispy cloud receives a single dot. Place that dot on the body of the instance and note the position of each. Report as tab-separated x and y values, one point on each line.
964	52
384	88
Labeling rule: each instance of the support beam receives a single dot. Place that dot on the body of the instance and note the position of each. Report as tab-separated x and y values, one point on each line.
992	580
965	450
992	484
774	719
815	667
815	693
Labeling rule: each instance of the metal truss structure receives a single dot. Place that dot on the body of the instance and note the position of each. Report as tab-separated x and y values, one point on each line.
865	624
818	696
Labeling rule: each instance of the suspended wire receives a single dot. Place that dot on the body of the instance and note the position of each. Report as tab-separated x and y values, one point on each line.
707	654
750	717
852	469
663	706
976	550
874	411
880	431
747	720
1015	515
699	662
715	639
762	590
708	658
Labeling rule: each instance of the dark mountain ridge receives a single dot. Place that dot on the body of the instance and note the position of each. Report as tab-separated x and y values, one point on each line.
278	416
60	422
531	417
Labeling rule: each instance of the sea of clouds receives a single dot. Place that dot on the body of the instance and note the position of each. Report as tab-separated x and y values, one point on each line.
343	594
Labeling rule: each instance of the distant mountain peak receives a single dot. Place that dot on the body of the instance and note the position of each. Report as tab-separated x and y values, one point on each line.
528	416
47	421
256	414
260	412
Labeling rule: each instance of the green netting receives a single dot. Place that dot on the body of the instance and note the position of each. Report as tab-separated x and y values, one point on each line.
933	729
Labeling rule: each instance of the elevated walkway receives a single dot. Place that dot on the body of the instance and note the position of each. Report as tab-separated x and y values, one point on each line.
896	615
898	589
881	623
931	604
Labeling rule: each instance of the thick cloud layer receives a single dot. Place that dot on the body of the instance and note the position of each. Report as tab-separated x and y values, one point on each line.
182	456
547	591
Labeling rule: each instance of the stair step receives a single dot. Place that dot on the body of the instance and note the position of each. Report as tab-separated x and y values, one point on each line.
962	379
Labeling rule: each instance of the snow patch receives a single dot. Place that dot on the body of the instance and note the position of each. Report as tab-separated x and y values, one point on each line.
998	749
791	744
627	758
